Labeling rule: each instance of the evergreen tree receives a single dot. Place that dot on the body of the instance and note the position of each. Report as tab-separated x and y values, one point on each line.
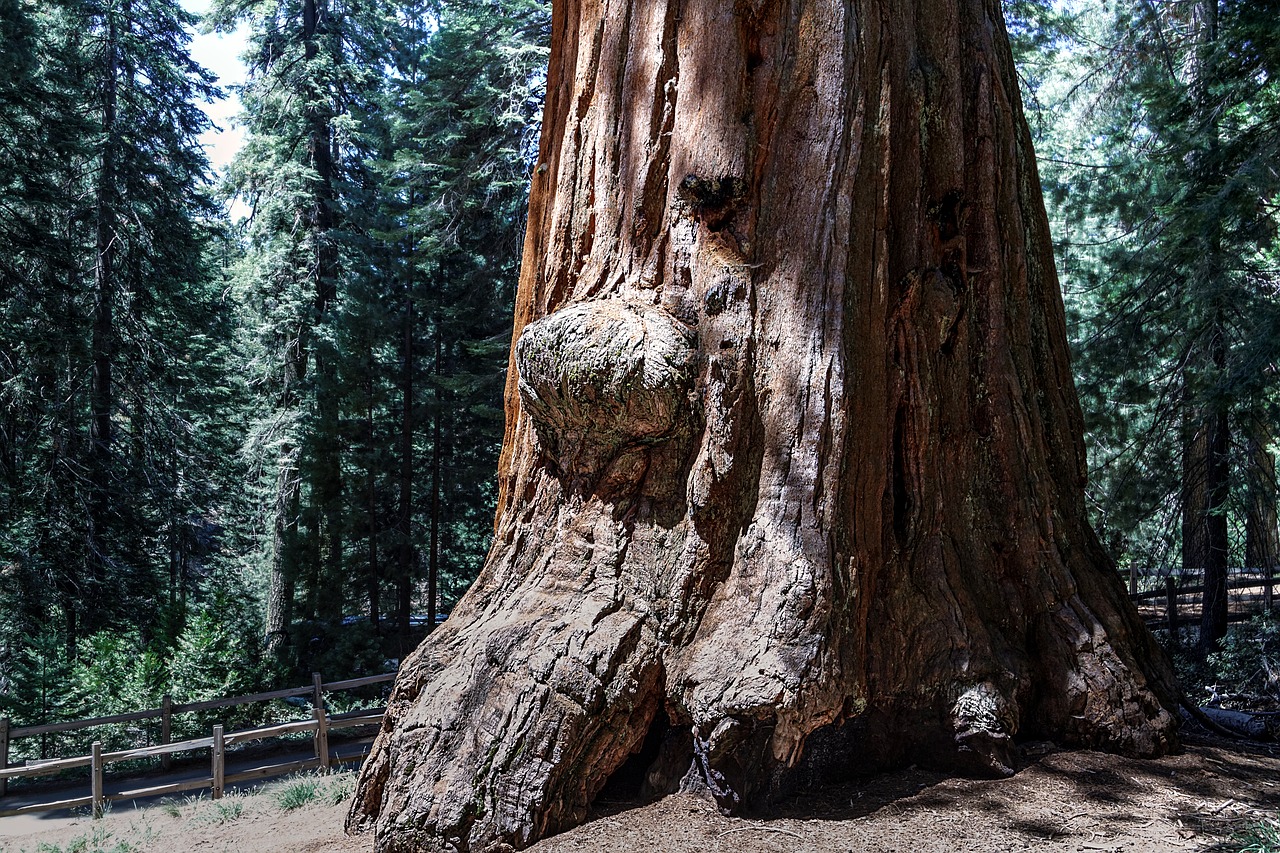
115	410
465	103
315	66
1167	193
380	277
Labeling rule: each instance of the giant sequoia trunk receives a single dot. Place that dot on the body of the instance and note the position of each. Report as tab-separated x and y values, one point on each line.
792	481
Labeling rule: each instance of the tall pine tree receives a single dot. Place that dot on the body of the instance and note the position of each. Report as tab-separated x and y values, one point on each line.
1167	193
114	330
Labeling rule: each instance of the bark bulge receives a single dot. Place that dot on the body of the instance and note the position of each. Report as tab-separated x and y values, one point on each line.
599	376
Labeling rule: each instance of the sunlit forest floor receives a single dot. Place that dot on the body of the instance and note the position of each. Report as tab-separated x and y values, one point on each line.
1204	799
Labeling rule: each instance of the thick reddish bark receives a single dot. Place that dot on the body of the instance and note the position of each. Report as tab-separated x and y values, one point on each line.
793	477
1262	531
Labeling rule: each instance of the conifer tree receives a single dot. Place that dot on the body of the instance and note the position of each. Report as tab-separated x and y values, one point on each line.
314	65
113	328
464	103
1167	195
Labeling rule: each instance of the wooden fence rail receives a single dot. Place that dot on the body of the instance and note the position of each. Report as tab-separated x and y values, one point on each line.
1176	597
320	724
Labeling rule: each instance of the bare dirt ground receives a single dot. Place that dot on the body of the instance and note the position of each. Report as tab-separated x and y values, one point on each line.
1068	801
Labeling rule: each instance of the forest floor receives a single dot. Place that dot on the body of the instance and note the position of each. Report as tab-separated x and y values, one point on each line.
1062	800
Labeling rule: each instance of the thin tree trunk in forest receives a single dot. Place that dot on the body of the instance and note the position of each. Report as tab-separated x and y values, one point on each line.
404	523
1209	275
101	392
1205	492
1195	494
374	578
69	624
1214	610
287	505
284	526
1262	528
433	561
322	222
793	475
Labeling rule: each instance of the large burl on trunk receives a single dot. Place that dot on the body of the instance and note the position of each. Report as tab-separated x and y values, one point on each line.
793	475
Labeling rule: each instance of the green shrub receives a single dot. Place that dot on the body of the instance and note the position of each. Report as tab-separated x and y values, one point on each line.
217	655
115	673
1249	662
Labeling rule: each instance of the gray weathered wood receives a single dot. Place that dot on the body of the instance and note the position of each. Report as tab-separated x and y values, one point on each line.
164	749
166	729
247	735
322	738
219	763
360	682
351	721
168	708
324	758
1257	727
75	725
95	779
46	768
96	761
269	770
207	705
210	704
31	808
160	790
1244	583
4	753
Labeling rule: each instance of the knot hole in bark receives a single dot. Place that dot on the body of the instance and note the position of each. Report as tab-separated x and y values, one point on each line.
948	217
713	201
599	378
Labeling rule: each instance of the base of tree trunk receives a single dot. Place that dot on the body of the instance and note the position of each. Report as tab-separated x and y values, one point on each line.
506	725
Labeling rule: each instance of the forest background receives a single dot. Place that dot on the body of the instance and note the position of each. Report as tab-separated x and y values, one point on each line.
249	420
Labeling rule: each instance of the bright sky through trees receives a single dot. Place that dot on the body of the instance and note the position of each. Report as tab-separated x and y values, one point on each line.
221	54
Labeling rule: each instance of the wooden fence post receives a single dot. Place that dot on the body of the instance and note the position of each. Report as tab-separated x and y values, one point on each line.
95	779
1268	598
4	753
322	739
317	695
1171	606
1133	581
166	729
219	764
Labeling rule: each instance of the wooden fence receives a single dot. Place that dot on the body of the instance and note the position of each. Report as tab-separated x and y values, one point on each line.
320	724
1172	597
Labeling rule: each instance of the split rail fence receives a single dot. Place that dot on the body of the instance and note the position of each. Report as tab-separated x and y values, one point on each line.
1173	597
320	725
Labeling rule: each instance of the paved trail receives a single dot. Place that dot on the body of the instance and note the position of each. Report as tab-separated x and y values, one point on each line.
190	771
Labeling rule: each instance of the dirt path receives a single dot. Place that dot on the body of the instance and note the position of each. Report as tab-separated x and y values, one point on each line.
1077	801
1063	801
